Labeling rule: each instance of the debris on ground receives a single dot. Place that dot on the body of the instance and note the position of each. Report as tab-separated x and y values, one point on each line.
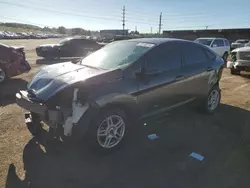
196	156
153	137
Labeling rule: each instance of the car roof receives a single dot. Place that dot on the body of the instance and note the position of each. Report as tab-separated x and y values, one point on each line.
156	40
212	38
243	39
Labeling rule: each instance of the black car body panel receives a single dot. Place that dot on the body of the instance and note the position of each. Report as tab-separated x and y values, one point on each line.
145	87
69	47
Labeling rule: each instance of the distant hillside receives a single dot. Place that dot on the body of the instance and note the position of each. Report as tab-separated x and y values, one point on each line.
18	27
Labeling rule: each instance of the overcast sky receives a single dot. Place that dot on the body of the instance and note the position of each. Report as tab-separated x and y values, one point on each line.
107	14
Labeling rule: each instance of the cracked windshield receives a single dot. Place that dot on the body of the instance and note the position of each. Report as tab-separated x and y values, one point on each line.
122	93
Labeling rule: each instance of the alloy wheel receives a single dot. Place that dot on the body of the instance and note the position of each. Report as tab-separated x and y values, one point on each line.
111	131
213	99
2	75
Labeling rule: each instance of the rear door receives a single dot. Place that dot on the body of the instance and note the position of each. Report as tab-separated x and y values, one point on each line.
197	70
158	90
219	47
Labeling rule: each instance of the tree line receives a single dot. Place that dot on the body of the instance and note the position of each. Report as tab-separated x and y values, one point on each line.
60	30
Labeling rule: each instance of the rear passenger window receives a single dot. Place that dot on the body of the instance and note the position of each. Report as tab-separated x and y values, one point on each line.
195	55
164	57
218	43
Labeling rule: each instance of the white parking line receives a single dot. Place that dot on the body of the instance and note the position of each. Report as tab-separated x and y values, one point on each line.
240	87
227	78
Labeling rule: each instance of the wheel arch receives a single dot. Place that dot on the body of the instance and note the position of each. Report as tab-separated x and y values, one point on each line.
118	100
128	110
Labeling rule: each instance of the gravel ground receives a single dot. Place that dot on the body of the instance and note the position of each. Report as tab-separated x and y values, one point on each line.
223	139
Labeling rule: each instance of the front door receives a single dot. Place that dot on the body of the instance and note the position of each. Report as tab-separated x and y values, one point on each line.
159	84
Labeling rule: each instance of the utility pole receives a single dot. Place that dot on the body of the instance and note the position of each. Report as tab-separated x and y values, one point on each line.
123	21
160	24
135	28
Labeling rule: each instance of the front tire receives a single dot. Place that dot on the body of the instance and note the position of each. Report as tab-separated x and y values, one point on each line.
213	99
3	76
108	131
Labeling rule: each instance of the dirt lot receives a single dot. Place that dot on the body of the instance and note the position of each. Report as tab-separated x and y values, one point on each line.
223	139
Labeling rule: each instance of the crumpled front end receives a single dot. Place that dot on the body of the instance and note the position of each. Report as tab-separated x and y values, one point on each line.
63	94
56	112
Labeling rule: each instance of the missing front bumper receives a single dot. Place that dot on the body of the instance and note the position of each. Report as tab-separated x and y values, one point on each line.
52	116
65	117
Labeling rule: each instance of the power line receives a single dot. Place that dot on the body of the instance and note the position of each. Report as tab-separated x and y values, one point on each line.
138	20
58	12
194	16
85	9
68	13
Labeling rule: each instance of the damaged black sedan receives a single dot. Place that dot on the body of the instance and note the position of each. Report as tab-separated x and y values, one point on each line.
69	47
103	95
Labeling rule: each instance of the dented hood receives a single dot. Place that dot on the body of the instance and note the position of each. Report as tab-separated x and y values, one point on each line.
54	78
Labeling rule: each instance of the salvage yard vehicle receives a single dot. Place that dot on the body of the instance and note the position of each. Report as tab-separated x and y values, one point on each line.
105	93
12	62
239	60
221	46
69	47
239	43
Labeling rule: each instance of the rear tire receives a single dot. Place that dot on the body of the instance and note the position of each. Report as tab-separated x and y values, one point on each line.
3	76
213	100
108	131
